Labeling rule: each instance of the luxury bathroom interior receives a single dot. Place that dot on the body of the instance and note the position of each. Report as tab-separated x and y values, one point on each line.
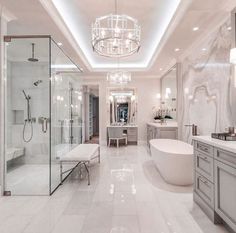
118	116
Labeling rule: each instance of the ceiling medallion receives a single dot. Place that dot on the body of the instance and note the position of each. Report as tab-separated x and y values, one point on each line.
119	77
116	35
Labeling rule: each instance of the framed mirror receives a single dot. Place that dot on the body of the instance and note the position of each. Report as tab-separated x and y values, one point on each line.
122	106
169	94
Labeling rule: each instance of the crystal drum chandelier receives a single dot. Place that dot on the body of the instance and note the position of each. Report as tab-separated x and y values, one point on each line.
119	77
115	35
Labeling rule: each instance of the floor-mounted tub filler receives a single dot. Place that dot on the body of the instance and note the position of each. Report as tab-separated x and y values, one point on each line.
174	160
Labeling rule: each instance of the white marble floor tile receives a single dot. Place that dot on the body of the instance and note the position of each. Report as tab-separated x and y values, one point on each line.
123	207
126	195
69	224
125	224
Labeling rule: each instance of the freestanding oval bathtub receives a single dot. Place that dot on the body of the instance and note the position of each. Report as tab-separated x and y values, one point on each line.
174	160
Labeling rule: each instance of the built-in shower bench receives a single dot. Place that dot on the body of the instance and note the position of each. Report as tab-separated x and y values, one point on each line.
81	154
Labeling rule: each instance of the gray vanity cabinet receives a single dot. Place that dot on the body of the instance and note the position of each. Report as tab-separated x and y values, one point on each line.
215	183
225	192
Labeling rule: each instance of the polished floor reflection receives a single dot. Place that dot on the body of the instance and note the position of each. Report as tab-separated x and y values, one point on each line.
126	195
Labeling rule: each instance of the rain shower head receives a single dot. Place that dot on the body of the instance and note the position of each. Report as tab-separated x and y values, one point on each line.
37	82
33	59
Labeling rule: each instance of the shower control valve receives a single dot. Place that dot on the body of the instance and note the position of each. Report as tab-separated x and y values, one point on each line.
44	121
33	120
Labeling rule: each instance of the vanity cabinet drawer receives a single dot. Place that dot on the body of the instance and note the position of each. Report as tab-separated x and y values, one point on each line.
225	157
205	189
169	134
132	131
207	149
132	138
204	165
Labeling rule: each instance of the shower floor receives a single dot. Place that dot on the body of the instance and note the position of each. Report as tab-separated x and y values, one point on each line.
32	179
29	179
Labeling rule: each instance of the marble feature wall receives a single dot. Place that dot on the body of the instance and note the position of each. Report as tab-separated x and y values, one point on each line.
205	87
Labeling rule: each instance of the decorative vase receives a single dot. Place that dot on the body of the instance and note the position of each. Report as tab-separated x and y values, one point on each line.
156	120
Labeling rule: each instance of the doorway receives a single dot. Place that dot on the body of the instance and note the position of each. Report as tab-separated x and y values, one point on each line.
91	110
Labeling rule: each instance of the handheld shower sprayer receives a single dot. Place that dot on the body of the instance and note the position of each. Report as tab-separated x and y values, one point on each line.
29	120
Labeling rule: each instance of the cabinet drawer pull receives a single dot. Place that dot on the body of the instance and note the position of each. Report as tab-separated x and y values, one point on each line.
203	157
203	148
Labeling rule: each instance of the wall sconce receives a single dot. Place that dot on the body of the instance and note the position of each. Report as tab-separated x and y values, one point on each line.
186	90
111	98
168	90
233	56
158	96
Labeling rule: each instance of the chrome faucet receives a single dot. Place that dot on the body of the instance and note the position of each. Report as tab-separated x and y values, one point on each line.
194	129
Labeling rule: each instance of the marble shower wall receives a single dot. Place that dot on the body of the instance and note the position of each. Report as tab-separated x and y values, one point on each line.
206	90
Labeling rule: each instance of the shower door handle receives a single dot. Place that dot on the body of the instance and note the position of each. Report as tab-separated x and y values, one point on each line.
44	122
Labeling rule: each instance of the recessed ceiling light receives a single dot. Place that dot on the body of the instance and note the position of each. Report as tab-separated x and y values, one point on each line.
204	49
59	44
177	49
229	28
195	29
160	69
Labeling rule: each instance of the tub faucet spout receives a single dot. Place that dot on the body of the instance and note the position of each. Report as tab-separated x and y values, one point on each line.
194	129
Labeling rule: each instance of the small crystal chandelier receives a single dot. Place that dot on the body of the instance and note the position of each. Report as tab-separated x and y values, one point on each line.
121	99
115	35
119	77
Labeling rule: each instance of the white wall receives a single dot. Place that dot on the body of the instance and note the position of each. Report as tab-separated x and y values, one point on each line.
147	88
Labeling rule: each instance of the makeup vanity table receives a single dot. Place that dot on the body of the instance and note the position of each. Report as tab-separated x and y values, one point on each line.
130	130
122	112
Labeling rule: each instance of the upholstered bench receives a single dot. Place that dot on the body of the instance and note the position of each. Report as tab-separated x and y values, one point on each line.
81	154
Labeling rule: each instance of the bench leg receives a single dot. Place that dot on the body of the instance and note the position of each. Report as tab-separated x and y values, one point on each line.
87	169
99	155
61	172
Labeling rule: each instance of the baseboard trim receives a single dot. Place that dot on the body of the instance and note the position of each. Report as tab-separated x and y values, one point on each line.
142	142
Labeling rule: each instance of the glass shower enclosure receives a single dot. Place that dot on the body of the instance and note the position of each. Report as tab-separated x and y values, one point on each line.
43	113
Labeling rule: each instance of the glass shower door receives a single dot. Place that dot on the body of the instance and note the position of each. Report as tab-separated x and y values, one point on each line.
27	116
65	111
42	114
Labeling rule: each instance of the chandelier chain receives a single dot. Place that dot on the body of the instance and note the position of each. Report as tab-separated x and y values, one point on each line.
116	7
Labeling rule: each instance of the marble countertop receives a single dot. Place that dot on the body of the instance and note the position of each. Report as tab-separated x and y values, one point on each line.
124	126
225	145
168	124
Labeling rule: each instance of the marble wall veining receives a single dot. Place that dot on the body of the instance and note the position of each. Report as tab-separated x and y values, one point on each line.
206	90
